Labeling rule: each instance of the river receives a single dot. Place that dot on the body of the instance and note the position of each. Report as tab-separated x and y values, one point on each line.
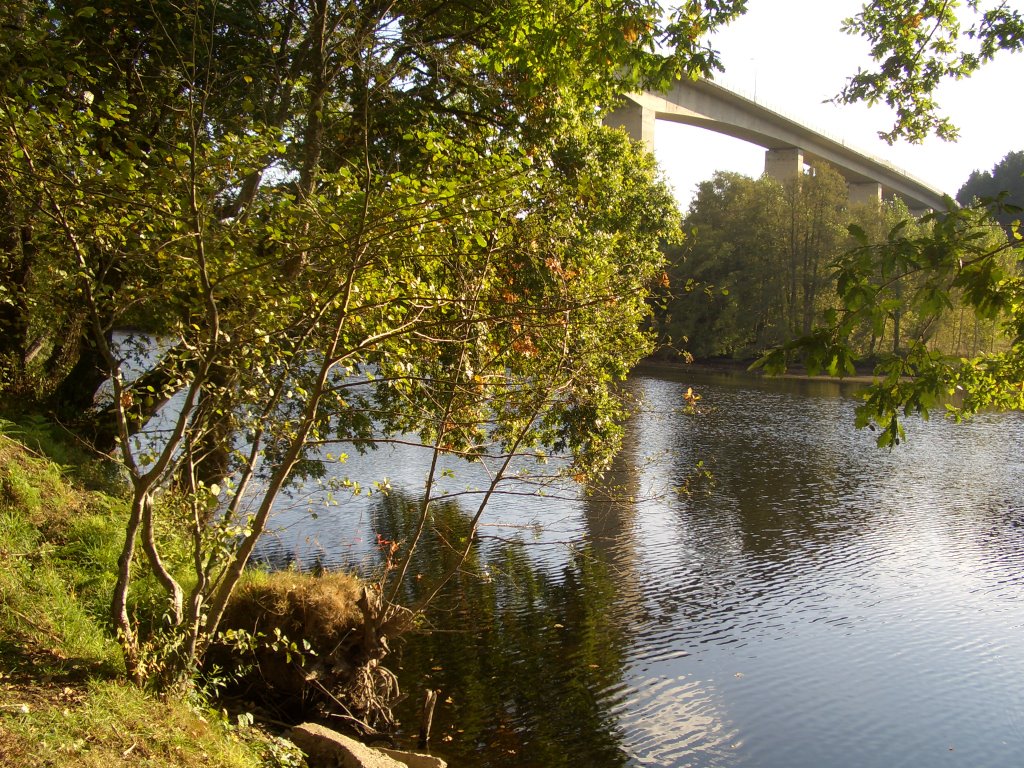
815	602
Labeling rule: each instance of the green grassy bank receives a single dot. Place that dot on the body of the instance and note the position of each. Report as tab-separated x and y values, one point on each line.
64	700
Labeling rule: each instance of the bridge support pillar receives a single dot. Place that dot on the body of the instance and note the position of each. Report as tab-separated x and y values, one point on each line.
864	193
637	121
784	164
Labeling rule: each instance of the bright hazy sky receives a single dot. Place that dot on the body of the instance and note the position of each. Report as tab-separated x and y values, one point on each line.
790	56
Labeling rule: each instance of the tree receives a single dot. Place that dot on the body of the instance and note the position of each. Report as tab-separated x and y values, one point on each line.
873	224
759	253
1003	186
962	259
815	209
347	223
731	304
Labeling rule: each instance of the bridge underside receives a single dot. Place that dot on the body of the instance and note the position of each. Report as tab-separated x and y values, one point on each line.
789	145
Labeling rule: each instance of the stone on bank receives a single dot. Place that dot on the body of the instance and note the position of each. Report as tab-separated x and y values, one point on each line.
325	748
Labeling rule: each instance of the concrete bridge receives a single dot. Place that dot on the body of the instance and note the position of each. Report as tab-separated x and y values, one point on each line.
789	144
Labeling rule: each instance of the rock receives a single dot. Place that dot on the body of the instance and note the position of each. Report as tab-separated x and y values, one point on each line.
325	748
415	759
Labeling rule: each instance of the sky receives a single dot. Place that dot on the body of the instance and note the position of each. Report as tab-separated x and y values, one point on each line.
791	56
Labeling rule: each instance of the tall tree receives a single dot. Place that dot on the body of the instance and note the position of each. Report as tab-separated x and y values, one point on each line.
346	221
817	211
756	262
1004	187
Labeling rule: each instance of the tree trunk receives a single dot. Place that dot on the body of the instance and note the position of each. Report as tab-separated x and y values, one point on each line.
76	393
16	252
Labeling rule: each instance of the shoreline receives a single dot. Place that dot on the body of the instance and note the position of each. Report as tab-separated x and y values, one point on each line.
796	372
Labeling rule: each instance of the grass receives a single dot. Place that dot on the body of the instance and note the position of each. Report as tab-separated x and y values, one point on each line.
109	724
57	546
63	697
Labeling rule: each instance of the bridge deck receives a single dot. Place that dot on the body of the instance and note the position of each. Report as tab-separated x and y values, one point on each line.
711	106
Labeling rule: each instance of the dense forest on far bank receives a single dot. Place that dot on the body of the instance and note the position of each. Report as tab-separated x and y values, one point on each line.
759	268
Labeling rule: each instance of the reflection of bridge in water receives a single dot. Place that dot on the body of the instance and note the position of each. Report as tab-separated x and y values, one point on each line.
789	144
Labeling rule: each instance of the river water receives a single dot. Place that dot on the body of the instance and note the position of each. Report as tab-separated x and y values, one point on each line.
815	602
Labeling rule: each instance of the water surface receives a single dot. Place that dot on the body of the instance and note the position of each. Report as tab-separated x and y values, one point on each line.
819	602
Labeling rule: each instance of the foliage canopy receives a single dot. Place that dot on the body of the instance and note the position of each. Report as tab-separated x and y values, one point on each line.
960	260
917	45
1002	188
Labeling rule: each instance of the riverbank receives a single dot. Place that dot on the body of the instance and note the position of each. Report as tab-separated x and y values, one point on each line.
64	700
655	365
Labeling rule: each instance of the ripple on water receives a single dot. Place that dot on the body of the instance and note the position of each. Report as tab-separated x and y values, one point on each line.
822	603
670	718
864	605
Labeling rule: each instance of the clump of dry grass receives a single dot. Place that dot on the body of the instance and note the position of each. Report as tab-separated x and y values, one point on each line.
321	609
304	645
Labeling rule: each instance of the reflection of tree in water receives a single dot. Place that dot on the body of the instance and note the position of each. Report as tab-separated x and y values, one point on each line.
522	656
785	466
610	514
610	505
